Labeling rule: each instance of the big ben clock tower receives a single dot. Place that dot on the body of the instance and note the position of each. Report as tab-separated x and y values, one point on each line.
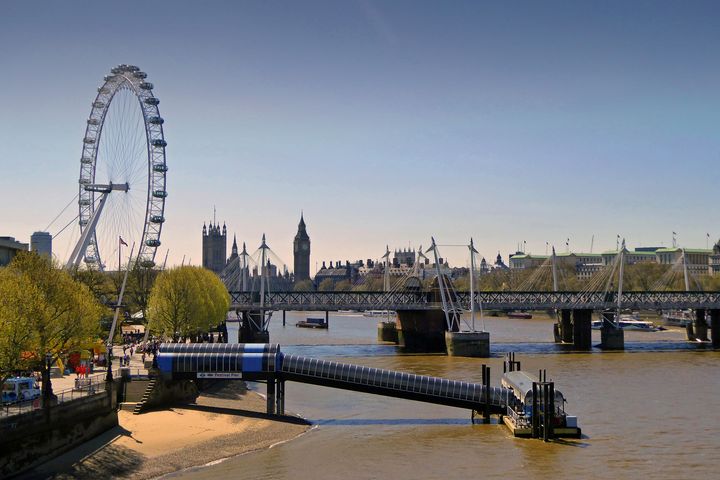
301	249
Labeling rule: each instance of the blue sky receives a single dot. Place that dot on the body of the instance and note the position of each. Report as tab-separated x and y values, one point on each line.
386	122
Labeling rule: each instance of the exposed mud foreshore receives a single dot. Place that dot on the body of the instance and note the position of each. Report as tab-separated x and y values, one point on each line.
227	420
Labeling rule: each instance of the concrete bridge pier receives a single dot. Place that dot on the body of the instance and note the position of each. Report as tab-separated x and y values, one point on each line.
701	327
468	344
421	330
612	337
387	332
715	327
249	331
582	331
564	327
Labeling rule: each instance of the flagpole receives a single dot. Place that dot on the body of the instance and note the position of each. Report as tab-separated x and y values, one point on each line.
119	252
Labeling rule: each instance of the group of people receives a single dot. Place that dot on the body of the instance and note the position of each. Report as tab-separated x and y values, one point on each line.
82	370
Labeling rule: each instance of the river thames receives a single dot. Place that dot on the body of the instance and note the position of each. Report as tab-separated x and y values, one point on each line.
653	410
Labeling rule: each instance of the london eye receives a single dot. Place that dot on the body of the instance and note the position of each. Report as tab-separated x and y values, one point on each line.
122	182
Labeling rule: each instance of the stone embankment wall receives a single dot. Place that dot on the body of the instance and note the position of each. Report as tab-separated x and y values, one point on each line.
30	439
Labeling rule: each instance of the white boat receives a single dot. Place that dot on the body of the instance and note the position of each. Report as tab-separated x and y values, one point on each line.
629	322
378	313
678	318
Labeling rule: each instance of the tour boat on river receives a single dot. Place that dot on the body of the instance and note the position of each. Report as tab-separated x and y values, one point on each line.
629	322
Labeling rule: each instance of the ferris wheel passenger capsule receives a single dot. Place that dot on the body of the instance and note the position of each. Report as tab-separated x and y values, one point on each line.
146	86
140	75
156	120
152	242
159	142
98	104
152	101
93	121
89	140
160	167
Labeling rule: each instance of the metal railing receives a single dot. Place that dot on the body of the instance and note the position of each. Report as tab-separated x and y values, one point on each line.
84	387
489	300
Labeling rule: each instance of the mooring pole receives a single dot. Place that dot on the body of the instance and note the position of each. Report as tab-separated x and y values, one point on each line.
283	318
327	318
535	411
546	413
271	395
486	393
551	411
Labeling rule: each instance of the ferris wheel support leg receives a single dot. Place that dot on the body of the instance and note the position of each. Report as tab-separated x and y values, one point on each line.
79	250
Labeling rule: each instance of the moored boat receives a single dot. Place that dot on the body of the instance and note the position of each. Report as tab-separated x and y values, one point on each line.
524	315
312	323
678	318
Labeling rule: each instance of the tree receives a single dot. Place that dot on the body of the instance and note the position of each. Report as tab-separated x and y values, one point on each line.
46	313
342	286
326	285
185	301
303	286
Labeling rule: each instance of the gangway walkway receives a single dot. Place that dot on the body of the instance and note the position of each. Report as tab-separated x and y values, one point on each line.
257	361
453	393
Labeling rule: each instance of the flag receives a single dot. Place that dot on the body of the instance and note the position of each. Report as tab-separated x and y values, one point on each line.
123	241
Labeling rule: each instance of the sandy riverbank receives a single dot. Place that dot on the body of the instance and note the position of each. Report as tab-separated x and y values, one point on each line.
226	421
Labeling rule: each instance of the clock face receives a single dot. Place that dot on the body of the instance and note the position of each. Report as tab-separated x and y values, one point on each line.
305	247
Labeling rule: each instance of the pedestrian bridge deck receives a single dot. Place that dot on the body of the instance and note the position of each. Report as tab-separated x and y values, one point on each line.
267	362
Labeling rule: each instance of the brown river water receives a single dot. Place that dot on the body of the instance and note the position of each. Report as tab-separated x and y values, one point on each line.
653	410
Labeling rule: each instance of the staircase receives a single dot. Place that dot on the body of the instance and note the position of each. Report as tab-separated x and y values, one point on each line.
146	396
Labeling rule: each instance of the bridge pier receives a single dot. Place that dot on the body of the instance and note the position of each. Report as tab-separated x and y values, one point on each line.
271	395
233	330
468	344
249	332
421	330
715	327
582	331
612	337
564	327
701	329
387	332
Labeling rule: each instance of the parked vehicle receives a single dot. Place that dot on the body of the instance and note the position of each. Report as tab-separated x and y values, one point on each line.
20	389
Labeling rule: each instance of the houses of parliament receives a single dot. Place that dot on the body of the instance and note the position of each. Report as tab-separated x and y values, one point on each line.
214	254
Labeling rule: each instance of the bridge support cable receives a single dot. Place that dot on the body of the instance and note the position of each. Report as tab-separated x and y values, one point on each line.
450	301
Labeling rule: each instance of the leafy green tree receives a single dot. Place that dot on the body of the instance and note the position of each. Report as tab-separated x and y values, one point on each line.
342	286
58	314
326	285
303	286
186	301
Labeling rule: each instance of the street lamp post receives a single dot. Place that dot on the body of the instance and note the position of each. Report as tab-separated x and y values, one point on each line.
109	375
47	384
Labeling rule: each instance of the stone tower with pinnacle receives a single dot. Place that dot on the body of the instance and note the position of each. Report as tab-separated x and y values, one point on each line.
214	247
301	251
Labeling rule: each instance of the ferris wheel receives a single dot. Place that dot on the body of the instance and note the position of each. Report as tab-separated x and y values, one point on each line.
122	183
